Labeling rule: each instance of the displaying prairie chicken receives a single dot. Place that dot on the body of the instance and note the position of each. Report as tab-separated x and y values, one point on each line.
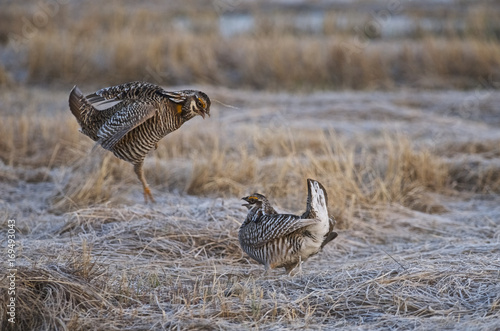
285	240
141	114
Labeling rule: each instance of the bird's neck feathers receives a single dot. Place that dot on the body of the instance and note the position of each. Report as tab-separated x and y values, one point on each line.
255	212
268	209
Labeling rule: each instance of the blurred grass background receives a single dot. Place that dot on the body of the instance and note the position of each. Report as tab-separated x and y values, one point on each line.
257	45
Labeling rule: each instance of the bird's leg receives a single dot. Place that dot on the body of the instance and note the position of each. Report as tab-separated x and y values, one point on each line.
266	271
147	194
156	146
140	174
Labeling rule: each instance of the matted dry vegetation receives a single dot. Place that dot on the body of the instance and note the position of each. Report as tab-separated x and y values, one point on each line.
418	245
181	267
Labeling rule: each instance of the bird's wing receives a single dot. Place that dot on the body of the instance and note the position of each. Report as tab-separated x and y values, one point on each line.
132	91
123	121
127	91
177	97
277	226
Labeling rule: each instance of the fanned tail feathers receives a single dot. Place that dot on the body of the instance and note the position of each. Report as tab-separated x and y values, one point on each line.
76	102
317	200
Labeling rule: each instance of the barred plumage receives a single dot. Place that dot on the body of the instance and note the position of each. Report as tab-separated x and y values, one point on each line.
285	240
139	114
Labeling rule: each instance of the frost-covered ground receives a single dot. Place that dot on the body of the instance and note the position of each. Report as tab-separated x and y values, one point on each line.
126	265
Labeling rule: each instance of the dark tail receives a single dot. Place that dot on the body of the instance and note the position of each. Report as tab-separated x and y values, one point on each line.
76	102
331	235
307	213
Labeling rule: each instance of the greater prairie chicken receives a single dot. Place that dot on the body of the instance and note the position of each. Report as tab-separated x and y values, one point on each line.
285	240
141	115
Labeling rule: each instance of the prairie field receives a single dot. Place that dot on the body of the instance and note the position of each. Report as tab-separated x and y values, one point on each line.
395	110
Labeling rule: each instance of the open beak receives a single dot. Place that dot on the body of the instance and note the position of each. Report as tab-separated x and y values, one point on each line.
245	204
202	113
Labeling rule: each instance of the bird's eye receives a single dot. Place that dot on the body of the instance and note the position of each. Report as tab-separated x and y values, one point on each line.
200	103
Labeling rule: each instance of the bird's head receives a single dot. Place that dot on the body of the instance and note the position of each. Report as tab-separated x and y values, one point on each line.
197	103
258	202
254	200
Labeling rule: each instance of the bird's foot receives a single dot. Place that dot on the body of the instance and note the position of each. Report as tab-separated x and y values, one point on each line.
148	195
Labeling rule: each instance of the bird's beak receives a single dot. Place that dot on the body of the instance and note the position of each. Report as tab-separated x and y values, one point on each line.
245	204
203	112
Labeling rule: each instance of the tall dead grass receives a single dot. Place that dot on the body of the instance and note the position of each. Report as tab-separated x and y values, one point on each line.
213	162
113	45
220	160
262	62
35	141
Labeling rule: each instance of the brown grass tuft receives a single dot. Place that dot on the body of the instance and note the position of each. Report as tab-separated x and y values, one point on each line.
477	169
52	297
400	175
92	181
208	161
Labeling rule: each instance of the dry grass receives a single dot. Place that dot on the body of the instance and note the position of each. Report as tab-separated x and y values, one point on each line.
34	141
478	170
404	258
111	45
316	62
185	270
55	296
221	160
212	163
418	237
